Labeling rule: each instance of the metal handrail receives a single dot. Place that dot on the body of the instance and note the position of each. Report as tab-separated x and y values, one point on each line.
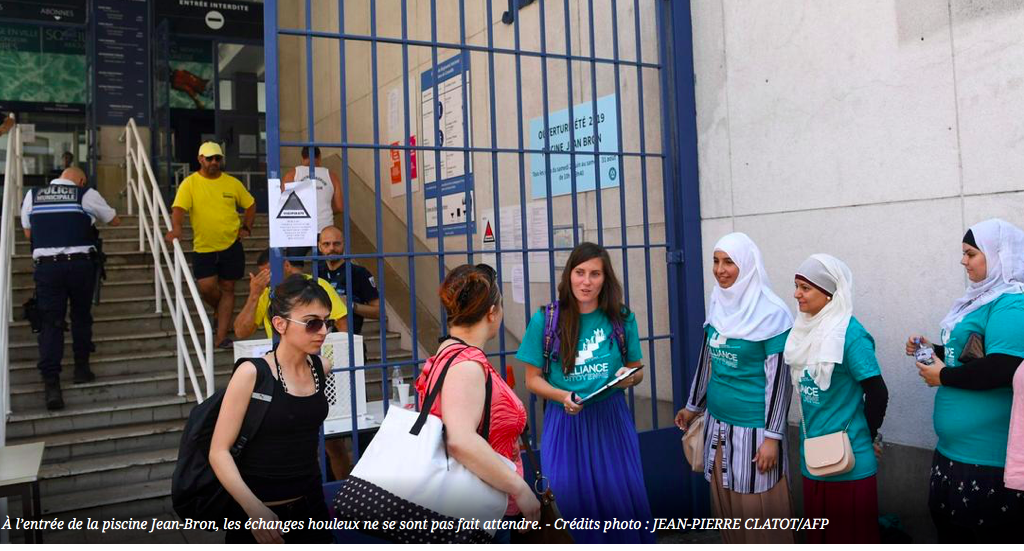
13	180
154	223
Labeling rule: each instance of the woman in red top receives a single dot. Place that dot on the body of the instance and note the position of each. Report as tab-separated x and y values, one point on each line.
471	297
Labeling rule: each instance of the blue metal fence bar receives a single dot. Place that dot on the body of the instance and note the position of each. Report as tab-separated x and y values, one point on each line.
347	224
410	243
466	137
647	229
385	376
522	191
552	286
495	175
461	252
437	157
501	353
682	196
456	46
472	149
594	128
572	125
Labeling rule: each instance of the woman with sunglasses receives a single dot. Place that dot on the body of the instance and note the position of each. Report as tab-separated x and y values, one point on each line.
471	297
278	475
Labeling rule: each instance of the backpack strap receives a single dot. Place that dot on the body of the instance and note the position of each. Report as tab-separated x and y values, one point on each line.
552	340
619	334
262	395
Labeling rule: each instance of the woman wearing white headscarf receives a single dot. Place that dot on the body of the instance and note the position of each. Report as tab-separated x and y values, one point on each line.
982	345
832	363
742	383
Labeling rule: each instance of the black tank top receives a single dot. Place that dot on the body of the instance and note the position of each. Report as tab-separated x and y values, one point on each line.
281	462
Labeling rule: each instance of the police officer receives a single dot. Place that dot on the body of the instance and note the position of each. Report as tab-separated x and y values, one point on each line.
58	220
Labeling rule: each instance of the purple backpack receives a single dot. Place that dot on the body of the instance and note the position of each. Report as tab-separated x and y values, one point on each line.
553	341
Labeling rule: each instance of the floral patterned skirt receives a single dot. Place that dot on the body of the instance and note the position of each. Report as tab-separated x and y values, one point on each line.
973	497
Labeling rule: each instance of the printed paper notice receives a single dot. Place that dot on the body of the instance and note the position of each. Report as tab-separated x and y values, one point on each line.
518	285
293	213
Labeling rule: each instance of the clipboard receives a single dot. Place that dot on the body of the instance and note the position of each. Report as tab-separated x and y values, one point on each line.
580	401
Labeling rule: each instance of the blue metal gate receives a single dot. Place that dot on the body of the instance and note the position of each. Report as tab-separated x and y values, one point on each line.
659	261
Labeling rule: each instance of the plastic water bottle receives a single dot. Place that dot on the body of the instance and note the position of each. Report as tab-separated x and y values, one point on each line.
396	379
924	354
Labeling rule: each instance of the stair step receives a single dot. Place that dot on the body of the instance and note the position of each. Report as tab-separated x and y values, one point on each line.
92	473
121	501
23	261
127	272
125	230
28	349
110	389
128	244
38	421
118	324
121	364
108	440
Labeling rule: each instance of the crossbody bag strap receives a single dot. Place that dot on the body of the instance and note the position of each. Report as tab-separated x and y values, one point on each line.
540	482
803	424
432	395
262	395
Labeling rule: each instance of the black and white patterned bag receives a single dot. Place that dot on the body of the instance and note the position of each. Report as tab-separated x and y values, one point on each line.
416	493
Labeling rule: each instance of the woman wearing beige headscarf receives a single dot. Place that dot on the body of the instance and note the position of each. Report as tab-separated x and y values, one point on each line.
840	387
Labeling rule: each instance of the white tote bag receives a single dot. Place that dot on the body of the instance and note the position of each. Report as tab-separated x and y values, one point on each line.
407	474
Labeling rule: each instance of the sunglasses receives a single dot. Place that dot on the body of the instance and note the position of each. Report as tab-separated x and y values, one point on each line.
315	325
212	158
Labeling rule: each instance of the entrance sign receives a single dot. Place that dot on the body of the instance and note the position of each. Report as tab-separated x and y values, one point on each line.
582	128
293	213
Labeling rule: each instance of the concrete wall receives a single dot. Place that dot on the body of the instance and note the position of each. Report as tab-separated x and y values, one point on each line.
877	131
363	100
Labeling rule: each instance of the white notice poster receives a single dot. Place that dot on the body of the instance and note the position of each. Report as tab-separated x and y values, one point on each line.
292	213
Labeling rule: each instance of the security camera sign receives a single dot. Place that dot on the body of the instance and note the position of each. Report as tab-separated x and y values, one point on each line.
292	213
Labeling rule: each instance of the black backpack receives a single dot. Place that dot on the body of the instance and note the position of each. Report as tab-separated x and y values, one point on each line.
196	493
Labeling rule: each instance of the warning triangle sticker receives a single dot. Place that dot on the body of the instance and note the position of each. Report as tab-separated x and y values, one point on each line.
293	208
488	233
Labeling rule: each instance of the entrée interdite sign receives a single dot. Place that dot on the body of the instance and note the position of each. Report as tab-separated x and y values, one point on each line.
221	19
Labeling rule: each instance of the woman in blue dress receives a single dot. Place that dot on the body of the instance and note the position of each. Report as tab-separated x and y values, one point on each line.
590	452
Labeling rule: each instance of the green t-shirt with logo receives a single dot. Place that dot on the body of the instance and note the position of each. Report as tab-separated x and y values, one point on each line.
828	411
597	354
736	388
972	425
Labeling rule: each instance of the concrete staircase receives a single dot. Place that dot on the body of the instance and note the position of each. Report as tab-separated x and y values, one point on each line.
111	451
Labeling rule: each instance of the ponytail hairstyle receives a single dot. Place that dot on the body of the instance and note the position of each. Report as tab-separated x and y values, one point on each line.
296	290
609	300
468	293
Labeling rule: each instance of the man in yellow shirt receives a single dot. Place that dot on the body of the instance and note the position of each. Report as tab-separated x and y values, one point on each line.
254	313
212	199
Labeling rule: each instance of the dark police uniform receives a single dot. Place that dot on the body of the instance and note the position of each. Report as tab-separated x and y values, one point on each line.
61	217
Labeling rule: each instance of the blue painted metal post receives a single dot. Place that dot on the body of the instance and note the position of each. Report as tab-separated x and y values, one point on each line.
682	214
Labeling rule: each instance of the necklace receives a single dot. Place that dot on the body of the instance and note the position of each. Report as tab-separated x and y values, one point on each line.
280	376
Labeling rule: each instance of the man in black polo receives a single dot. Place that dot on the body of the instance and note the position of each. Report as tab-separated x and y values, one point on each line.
58	220
365	299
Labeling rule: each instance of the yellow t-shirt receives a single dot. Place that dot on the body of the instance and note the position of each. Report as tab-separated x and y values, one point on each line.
338	309
213	206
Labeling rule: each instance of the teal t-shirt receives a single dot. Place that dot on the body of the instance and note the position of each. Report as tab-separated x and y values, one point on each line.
828	411
597	354
972	425
736	388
